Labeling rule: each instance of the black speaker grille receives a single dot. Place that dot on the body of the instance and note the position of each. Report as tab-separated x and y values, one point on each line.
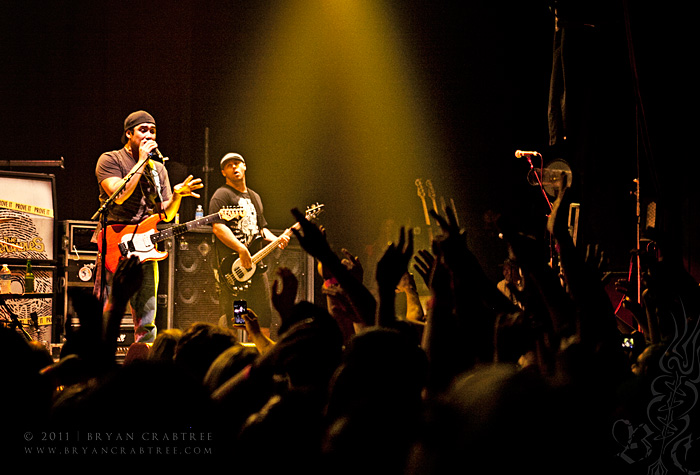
196	290
296	260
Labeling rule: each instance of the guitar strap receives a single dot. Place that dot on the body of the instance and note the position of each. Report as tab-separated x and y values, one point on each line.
216	256
155	181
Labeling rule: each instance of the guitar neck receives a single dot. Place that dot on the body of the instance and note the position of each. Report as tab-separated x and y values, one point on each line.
179	229
265	251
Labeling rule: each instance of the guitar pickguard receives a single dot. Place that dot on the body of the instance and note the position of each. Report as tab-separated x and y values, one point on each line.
234	286
137	243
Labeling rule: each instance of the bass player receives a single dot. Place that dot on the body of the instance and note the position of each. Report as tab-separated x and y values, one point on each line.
240	236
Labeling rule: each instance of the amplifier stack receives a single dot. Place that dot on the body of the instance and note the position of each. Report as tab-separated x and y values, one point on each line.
78	261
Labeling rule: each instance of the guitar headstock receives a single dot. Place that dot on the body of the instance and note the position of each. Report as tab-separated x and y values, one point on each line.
419	185
232	212
313	211
431	190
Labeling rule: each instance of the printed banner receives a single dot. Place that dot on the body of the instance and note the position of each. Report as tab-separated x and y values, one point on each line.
27	208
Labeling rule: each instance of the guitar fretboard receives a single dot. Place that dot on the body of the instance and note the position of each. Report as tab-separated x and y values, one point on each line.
263	253
179	229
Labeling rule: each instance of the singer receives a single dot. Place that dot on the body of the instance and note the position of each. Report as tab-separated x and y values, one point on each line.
145	193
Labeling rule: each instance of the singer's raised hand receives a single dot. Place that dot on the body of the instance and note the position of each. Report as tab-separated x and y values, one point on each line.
187	187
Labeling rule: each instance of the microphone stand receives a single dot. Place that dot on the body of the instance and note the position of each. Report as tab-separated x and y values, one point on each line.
549	203
102	213
539	181
206	169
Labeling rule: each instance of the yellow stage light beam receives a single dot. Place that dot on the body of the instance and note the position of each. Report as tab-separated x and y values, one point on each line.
332	98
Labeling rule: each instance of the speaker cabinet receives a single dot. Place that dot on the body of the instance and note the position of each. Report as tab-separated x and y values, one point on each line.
299	262
188	291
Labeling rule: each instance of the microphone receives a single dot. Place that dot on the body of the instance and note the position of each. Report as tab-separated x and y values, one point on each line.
521	154
156	155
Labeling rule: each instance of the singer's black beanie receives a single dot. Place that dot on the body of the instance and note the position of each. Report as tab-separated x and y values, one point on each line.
134	119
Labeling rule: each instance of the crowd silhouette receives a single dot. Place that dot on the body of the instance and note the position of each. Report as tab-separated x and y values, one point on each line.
472	382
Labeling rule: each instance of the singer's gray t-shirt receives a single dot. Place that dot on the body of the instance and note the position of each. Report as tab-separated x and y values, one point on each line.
143	202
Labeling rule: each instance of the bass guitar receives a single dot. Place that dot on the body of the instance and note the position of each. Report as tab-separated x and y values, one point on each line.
236	277
126	240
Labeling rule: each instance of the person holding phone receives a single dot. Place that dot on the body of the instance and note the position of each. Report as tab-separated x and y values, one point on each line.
240	236
240	309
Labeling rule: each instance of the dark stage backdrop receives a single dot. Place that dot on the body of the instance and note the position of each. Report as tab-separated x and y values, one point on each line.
72	70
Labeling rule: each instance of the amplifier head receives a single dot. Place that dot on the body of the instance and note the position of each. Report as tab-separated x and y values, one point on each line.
77	241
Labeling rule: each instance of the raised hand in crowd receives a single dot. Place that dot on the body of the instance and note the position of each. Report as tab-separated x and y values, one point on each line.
469	278
90	350
338	302
127	280
283	298
313	240
457	332
452	242
423	264
262	342
546	293
597	322
391	267
414	308
440	338
352	263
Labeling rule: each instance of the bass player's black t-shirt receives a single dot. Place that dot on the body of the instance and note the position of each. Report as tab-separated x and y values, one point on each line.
248	227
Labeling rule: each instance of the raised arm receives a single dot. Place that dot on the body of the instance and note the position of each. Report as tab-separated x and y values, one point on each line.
414	308
181	190
597	320
441	340
284	292
127	280
315	243
390	268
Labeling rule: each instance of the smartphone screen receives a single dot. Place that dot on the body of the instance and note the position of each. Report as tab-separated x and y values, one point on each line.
240	307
